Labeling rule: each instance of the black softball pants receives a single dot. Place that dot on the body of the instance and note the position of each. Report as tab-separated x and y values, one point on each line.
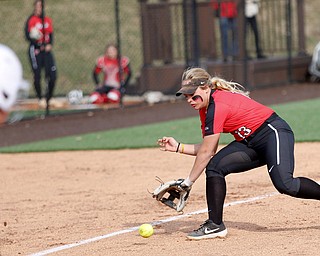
38	62
273	146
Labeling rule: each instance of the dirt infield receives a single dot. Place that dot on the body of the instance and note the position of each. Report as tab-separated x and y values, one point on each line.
53	200
91	203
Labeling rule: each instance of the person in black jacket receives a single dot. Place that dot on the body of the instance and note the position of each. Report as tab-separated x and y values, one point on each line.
40	50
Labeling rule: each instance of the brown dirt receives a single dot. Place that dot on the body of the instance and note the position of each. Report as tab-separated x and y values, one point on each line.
53	199
49	200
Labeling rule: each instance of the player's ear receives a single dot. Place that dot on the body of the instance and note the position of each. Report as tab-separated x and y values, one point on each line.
205	88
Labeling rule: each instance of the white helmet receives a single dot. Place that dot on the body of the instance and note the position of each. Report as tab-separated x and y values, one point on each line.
75	97
11	80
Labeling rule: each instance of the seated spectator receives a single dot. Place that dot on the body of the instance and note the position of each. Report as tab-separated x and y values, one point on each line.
116	75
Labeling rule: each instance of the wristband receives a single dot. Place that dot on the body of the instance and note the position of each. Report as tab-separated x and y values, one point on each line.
187	182
178	147
182	148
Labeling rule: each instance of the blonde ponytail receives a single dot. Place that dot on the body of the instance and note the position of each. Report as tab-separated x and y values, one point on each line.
216	83
221	84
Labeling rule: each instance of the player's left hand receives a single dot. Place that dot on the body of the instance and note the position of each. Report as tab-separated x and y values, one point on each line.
177	195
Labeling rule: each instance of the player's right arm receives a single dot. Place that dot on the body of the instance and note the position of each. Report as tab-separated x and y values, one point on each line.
27	30
95	75
98	68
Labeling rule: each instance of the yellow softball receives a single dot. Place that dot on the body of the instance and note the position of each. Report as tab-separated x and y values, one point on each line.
146	230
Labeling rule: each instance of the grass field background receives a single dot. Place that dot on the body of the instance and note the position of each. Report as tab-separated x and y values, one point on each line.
82	29
302	116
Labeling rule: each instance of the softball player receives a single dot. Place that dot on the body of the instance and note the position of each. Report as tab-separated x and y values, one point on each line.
40	50
114	80
261	138
11	81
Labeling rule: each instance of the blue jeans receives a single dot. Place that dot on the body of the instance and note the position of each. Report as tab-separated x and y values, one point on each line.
229	37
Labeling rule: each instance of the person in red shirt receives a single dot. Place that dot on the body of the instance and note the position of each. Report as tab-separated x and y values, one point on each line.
261	138
227	13
114	80
40	50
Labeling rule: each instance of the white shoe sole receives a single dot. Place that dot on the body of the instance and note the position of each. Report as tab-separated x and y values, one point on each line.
221	234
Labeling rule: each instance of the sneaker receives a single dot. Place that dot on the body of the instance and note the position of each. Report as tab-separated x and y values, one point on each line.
261	56
42	103
208	230
55	103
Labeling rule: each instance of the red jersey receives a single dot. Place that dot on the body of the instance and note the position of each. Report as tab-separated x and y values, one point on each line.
35	21
233	113
110	69
226	9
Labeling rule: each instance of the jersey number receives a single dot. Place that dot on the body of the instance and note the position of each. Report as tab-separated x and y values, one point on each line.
243	132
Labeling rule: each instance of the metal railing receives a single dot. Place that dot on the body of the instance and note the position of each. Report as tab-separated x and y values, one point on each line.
280	25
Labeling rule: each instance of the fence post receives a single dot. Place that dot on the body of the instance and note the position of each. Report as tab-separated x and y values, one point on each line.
242	37
289	39
118	39
185	33
301	34
147	59
241	31
195	33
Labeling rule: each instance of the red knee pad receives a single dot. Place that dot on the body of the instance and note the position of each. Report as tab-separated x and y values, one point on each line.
97	98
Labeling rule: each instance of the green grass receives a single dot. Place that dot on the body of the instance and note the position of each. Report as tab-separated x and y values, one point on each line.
82	29
303	117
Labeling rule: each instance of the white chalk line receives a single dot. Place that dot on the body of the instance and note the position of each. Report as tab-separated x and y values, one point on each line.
97	238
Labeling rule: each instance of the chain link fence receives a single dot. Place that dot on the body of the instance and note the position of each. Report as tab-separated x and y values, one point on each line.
82	29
